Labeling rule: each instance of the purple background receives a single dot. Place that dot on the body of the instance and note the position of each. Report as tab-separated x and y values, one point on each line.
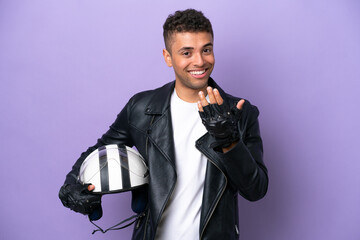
68	67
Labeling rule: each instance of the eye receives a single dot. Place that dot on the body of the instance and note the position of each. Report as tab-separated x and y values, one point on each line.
186	53
207	50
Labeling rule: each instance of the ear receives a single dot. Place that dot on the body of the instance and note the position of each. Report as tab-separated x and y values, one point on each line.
167	57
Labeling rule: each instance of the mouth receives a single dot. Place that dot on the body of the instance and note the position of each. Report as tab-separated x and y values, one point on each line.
198	73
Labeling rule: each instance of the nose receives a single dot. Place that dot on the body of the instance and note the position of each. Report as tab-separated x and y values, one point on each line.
198	60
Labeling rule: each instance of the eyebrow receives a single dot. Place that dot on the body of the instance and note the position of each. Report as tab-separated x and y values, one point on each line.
208	45
185	48
191	48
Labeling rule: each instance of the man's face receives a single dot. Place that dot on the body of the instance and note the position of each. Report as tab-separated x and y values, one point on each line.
192	58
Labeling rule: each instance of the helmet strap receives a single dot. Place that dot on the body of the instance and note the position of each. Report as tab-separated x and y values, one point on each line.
116	227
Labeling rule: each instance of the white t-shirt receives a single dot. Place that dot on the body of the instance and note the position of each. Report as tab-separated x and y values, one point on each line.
181	218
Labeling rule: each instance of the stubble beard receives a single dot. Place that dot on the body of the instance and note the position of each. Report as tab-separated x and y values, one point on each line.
196	84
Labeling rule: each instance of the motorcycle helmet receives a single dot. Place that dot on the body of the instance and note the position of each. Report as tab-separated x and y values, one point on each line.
114	168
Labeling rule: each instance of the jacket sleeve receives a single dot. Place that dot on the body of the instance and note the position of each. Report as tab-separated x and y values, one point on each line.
118	133
244	162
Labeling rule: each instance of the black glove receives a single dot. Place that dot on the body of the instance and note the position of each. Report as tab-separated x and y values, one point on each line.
221	123
78	198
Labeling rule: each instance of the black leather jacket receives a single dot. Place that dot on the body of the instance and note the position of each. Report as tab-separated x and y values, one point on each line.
145	122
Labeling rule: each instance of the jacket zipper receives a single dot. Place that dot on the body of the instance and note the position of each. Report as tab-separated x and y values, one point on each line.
167	201
146	151
139	221
222	192
237	229
172	189
147	136
146	223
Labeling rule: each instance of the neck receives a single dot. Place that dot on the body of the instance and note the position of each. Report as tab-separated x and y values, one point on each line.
188	94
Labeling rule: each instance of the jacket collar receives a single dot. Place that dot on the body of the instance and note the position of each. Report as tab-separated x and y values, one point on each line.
161	99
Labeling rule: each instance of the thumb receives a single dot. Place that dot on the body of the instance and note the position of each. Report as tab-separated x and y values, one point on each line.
91	187
240	104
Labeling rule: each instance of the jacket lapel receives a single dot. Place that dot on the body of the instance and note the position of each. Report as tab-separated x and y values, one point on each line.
160	131
215	182
161	152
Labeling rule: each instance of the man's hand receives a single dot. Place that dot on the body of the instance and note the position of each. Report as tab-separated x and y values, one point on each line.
79	198
219	119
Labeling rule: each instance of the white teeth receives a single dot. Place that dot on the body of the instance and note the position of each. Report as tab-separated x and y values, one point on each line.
197	72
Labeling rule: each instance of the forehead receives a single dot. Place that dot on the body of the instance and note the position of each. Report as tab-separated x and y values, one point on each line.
190	39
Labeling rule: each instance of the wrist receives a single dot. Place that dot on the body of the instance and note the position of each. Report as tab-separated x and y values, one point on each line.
226	149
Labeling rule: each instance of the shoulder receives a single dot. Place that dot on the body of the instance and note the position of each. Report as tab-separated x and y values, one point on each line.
141	100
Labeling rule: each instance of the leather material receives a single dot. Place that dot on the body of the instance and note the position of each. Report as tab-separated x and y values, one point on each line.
78	198
145	122
221	123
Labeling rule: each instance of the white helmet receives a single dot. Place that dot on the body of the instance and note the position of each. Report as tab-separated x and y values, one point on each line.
114	168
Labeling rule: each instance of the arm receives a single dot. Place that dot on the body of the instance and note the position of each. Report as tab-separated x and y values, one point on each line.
238	143
244	161
77	196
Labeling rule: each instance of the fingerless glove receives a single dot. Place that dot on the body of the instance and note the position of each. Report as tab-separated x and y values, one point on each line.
221	123
78	198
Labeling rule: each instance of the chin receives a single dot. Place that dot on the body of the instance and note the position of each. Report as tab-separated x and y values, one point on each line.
200	85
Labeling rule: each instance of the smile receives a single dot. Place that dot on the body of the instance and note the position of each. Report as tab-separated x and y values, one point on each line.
197	72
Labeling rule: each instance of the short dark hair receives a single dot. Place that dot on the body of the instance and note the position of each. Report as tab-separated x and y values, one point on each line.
189	20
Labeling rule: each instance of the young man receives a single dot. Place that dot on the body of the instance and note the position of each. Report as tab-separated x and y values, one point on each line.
198	163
